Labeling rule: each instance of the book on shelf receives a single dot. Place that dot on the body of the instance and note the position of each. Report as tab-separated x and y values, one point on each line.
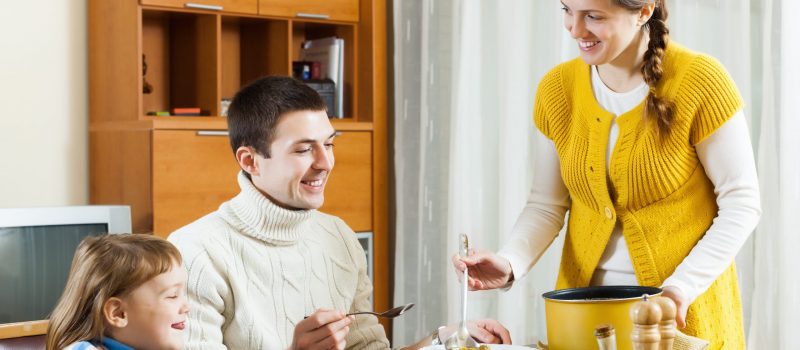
329	52
186	111
306	70
327	90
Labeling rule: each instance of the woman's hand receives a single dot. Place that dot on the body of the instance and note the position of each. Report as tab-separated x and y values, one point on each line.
487	270
681	305
483	331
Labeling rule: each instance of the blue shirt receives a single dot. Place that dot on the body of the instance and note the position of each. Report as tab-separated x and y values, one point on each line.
108	343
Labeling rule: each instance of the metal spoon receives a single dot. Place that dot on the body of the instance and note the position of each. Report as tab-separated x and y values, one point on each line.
461	338
391	313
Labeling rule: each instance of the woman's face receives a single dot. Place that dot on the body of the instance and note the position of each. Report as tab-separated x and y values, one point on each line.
603	30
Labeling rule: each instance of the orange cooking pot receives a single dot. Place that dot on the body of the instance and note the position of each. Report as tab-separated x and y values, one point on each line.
573	314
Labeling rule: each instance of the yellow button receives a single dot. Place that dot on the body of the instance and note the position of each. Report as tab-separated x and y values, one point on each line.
608	213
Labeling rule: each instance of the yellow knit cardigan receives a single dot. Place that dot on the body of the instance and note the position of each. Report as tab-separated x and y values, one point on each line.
656	188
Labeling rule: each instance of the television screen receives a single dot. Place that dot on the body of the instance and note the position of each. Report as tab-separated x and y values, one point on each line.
34	264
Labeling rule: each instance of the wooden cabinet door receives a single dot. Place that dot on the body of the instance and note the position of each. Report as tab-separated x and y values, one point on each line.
348	193
193	173
240	6
336	10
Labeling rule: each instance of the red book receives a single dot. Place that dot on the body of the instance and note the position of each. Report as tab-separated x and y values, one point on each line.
186	111
316	70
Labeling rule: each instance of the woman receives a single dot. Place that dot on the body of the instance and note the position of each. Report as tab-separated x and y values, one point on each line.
645	143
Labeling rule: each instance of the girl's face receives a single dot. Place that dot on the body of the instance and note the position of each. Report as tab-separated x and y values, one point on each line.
156	313
602	29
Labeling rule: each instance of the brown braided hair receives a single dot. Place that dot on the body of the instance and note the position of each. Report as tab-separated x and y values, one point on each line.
658	108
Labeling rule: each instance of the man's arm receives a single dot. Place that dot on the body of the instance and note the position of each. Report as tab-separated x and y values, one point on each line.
365	331
206	301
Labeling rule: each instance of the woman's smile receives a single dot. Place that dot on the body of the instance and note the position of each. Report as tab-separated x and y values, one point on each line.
587	45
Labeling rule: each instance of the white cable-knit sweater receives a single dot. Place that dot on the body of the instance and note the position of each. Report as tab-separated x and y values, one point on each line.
256	269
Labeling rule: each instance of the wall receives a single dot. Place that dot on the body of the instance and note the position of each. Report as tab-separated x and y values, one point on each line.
43	103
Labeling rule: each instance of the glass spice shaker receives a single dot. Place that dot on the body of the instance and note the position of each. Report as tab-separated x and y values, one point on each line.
606	337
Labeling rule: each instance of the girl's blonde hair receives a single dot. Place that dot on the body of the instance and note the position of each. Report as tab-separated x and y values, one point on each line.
104	267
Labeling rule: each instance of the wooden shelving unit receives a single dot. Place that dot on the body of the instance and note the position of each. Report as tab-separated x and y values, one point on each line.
173	170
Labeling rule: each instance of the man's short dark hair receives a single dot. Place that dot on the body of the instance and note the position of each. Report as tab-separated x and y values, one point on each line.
255	110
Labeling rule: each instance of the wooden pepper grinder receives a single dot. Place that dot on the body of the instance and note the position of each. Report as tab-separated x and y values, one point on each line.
667	327
645	315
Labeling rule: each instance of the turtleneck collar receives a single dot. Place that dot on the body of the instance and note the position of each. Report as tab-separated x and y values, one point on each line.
253	214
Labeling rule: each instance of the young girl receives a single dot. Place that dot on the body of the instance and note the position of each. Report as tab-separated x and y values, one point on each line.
123	292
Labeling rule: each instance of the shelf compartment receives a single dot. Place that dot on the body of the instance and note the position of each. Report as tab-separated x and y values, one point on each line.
181	53
252	48
309	30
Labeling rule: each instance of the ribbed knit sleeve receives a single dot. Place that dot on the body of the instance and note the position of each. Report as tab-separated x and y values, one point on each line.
365	332
550	101
711	90
206	291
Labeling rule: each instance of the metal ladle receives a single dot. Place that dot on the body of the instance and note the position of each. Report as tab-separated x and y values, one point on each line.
461	337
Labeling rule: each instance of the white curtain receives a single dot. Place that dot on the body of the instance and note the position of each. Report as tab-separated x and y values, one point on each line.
776	297
465	77
698	24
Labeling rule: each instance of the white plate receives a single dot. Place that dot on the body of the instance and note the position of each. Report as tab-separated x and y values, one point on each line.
491	346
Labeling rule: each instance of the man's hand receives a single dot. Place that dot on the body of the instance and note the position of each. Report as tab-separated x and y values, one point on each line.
681	305
483	331
324	329
487	270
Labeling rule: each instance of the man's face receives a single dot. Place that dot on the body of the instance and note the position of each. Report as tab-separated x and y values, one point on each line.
301	158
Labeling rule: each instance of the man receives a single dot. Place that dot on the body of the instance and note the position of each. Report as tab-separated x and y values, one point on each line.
266	270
